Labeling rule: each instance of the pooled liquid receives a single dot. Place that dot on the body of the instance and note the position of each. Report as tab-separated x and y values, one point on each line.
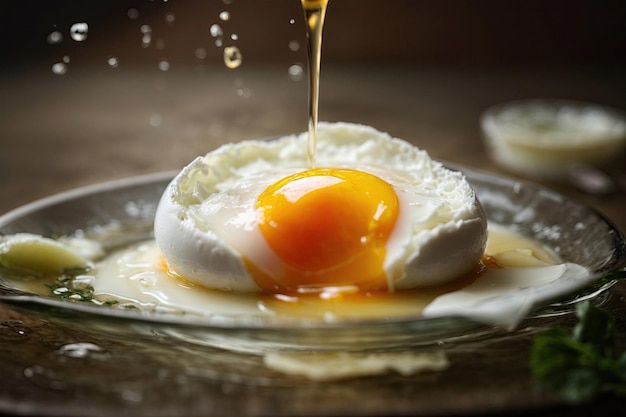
136	276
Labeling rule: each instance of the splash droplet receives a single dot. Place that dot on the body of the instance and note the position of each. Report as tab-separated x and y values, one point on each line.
132	13
294	45
59	68
54	37
234	36
78	31
216	30
113	62
164	65
66	59
232	57
296	72
292	21
224	16
200	53
146	39
170	18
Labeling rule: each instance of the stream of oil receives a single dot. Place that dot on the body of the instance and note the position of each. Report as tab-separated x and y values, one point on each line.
314	13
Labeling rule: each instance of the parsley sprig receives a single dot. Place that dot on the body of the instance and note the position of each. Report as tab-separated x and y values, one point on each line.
581	366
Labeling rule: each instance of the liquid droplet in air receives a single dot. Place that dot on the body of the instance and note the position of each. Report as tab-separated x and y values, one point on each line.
232	57
294	46
170	18
216	30
200	53
164	65
113	62
146	39
78	31
244	92
296	72
224	16
59	68
132	14
54	37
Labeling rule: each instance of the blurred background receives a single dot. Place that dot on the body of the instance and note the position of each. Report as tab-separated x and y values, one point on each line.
419	32
93	91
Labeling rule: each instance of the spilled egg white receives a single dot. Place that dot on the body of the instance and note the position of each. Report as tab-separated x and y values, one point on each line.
205	224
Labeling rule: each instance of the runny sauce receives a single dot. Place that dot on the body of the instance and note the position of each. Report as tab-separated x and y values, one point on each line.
135	276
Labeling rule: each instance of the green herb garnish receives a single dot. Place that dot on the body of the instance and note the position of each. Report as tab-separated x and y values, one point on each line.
581	366
68	287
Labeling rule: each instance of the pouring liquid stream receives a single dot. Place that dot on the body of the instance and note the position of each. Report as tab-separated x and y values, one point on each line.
314	12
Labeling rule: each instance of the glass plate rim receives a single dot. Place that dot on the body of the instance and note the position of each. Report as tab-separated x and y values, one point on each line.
226	323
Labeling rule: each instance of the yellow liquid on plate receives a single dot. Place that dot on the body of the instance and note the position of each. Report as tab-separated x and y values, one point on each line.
136	276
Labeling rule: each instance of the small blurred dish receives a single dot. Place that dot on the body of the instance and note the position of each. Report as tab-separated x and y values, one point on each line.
549	139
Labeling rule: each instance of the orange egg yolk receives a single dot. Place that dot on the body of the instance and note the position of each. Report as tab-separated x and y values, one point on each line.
328	227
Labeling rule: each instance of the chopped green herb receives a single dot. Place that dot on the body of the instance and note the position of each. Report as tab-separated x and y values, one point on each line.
68	287
74	285
581	366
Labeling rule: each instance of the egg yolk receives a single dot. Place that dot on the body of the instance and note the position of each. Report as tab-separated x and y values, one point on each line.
328	227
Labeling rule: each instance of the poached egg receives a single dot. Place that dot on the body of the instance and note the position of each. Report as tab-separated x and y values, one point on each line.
376	213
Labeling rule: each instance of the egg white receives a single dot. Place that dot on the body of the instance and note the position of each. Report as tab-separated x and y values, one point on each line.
205	222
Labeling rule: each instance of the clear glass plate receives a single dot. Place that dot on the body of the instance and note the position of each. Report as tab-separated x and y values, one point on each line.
121	212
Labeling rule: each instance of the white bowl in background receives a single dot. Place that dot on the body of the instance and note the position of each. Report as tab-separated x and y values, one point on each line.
547	138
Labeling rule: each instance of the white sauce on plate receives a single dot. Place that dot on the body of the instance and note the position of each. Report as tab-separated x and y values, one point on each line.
137	275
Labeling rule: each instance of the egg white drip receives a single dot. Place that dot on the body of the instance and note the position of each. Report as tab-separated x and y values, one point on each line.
205	220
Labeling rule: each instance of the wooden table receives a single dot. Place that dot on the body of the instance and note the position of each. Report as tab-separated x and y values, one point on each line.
94	124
